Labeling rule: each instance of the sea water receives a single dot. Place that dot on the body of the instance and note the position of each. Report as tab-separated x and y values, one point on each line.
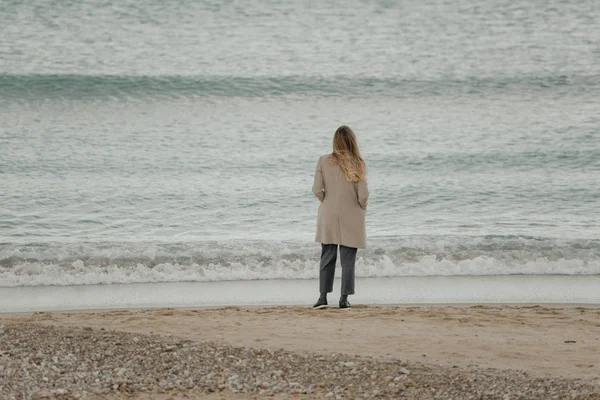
176	141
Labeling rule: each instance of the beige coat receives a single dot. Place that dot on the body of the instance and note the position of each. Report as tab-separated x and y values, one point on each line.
341	218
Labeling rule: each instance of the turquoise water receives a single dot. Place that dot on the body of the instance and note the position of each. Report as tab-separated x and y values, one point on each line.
176	141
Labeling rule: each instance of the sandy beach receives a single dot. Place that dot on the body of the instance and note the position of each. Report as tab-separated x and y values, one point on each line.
483	351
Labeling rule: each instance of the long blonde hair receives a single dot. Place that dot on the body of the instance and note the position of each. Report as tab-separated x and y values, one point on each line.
346	155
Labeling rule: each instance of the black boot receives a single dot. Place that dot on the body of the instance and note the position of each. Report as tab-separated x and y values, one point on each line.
322	302
344	303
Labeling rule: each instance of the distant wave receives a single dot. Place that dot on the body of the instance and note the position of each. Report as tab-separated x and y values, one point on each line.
109	263
30	87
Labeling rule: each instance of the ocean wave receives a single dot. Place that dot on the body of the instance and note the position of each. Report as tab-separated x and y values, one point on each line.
111	263
79	87
80	273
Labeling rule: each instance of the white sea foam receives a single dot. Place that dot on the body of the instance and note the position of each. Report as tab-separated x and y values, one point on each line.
111	263
80	273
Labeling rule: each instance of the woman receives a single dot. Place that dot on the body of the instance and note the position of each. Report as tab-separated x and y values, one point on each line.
341	186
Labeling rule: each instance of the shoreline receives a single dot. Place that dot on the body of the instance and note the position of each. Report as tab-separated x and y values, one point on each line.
522	346
332	306
514	289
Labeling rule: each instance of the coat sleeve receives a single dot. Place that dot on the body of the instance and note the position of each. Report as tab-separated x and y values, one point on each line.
319	185
362	193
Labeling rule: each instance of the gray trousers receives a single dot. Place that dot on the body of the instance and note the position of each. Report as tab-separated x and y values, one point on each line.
327	270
